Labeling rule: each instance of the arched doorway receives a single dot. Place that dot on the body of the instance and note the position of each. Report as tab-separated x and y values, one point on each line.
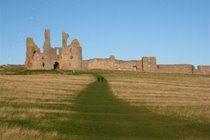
56	65
134	68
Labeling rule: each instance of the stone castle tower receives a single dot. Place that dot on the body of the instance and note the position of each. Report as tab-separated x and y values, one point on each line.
68	57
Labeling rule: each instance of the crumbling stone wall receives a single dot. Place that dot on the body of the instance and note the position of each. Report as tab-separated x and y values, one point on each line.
99	63
33	54
202	69
132	65
112	64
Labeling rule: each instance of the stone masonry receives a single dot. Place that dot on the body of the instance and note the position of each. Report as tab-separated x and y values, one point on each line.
69	57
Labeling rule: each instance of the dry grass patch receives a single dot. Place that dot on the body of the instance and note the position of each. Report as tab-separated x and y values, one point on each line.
36	101
47	86
185	96
18	133
10	113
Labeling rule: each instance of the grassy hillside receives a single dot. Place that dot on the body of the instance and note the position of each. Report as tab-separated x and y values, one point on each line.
126	106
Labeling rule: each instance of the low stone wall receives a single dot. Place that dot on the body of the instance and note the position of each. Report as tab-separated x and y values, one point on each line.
112	64
202	69
105	64
180	68
132	65
147	64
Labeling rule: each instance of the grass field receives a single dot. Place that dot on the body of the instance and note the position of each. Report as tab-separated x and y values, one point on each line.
28	100
185	96
128	106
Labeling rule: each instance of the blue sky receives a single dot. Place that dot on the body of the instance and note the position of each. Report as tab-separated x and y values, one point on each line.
175	31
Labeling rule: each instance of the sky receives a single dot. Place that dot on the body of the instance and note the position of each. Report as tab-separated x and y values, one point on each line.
175	31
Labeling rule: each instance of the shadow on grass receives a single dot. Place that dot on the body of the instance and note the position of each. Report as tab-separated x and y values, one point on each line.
99	115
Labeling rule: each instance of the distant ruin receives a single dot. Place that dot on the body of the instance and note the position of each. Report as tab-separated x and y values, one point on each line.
69	57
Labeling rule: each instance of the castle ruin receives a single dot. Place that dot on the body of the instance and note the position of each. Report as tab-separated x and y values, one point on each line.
69	57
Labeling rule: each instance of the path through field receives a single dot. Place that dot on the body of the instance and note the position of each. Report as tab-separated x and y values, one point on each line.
101	116
60	110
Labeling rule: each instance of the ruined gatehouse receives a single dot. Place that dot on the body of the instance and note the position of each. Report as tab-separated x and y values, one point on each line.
69	57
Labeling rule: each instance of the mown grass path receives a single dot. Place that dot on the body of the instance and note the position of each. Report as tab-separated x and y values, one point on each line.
98	115
101	116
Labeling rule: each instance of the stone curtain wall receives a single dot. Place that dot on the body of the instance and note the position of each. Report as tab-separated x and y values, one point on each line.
202	69
112	64
185	69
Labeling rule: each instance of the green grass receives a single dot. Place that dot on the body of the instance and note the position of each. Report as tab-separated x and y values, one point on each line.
21	70
102	115
99	115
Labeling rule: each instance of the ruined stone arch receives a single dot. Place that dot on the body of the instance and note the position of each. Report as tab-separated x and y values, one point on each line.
43	64
56	65
135	68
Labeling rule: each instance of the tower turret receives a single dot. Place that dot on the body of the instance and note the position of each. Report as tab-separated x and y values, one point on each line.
65	37
71	56
47	64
